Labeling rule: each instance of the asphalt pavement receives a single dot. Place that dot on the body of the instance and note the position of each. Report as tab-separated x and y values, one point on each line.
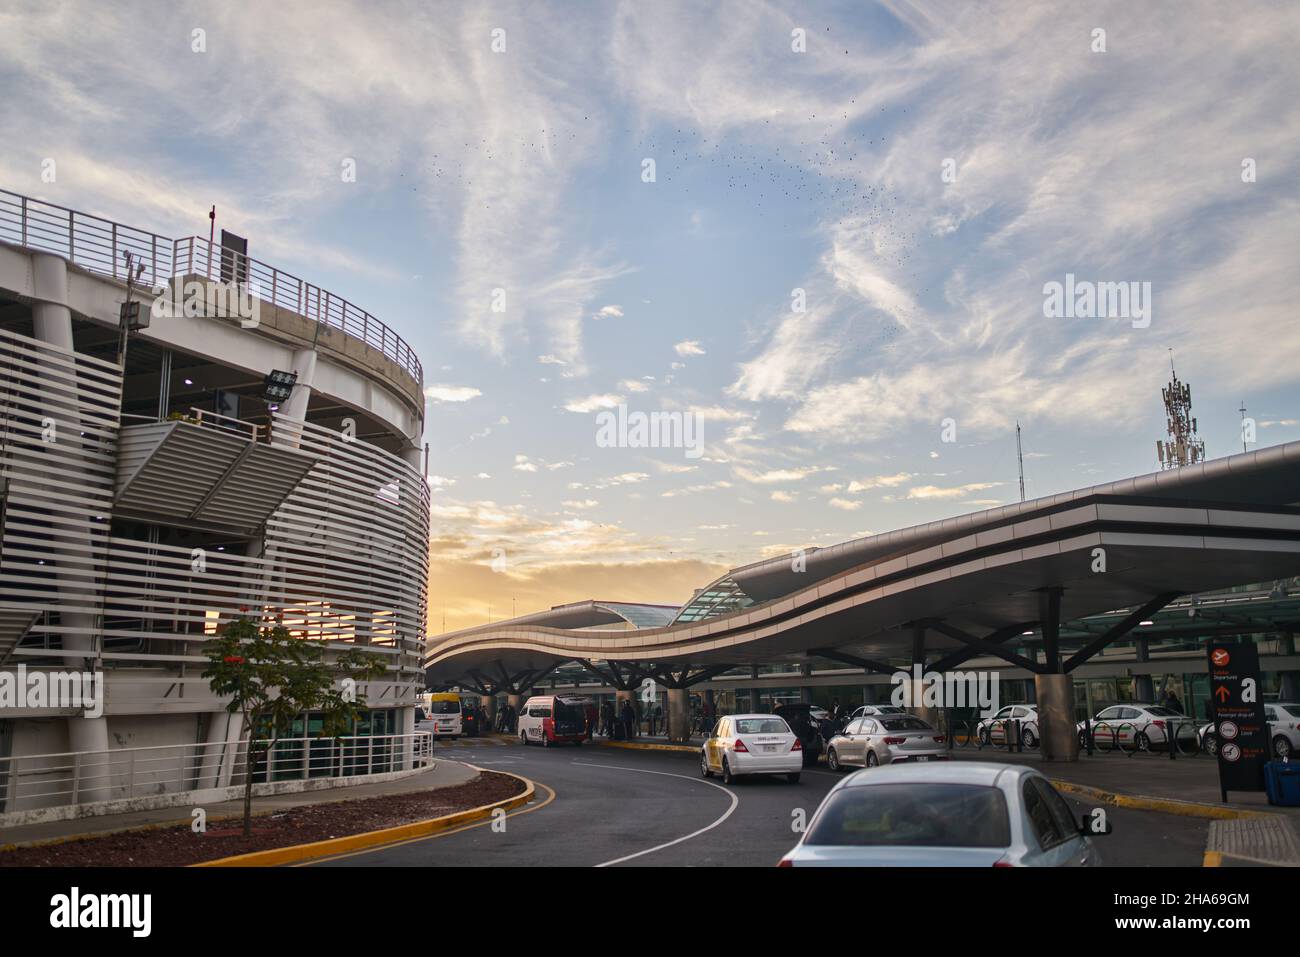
620	807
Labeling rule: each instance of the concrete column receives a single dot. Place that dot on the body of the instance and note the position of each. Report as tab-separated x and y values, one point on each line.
232	761
515	701
916	696
1056	724
214	749
304	363
406	725
679	715
91	734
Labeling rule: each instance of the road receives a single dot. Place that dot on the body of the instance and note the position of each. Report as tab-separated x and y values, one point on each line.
616	807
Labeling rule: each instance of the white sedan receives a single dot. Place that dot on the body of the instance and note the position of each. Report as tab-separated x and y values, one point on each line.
744	744
1138	726
954	814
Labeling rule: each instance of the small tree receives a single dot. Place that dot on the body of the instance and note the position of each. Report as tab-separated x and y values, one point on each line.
272	677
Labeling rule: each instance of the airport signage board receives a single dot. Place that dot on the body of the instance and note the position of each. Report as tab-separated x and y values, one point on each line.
1239	720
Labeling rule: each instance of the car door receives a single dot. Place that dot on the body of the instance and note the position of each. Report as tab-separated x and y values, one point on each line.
1105	724
1076	850
716	744
1050	844
850	749
866	738
998	725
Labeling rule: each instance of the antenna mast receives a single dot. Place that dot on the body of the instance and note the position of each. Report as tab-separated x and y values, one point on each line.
1183	447
1020	460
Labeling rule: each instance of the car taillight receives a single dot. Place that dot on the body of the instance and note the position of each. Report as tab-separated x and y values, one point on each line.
798	745
894	740
939	739
1003	862
785	862
1159	724
739	746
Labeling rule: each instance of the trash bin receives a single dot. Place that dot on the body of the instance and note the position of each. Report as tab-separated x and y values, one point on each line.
1282	783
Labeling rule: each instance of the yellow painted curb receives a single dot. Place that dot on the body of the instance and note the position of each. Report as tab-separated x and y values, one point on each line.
1212	859
1141	802
354	842
633	746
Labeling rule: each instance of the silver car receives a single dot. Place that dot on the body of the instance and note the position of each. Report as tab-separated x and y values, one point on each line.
956	814
885	739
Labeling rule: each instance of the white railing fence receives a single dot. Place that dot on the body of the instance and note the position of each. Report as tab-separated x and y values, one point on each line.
98	245
57	780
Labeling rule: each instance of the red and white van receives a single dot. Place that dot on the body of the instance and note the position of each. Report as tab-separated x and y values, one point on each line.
556	719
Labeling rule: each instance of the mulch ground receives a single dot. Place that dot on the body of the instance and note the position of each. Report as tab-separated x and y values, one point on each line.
178	846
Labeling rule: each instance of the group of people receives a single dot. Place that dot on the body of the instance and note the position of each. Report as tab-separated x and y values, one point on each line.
622	722
507	719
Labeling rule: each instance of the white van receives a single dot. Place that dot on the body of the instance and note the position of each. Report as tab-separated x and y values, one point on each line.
556	719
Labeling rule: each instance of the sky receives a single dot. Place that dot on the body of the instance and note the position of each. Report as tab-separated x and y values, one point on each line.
837	268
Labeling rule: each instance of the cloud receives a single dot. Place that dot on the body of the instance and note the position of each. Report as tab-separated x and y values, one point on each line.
451	393
689	347
609	312
592	403
847	505
957	491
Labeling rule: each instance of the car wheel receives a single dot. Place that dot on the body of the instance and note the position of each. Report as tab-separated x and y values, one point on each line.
1211	745
1028	739
833	760
872	760
1083	740
1141	741
1281	747
727	776
705	770
793	778
986	738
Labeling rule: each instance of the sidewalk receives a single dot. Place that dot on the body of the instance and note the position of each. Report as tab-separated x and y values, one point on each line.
442	774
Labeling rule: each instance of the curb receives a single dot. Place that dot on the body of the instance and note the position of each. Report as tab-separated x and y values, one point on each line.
633	746
353	842
1142	802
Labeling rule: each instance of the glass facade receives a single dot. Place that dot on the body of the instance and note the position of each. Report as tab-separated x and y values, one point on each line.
720	598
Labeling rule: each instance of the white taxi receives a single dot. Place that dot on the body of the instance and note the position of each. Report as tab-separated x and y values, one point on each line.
744	744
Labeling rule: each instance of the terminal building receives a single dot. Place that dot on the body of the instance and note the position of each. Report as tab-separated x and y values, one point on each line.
253	448
1077	601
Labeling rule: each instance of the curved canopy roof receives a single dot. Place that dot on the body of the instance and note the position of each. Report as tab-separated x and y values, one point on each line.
1196	529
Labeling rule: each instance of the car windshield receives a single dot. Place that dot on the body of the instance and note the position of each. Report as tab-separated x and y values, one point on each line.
914	815
908	723
761	726
1162	712
444	707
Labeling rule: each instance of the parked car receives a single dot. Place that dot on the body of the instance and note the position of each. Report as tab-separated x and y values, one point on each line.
886	739
744	744
800	719
993	729
955	814
1283	730
864	710
1140	726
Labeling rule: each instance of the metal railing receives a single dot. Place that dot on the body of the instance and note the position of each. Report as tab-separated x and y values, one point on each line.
98	245
56	780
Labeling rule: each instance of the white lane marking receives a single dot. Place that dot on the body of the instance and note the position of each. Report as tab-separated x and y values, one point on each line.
735	802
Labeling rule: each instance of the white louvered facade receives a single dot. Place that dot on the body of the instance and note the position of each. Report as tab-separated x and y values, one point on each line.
131	531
